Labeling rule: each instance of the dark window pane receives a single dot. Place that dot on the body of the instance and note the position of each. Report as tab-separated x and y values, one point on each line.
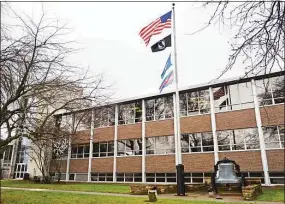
149	179
197	180
160	179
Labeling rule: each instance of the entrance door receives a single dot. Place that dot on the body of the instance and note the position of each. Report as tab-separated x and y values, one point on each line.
21	168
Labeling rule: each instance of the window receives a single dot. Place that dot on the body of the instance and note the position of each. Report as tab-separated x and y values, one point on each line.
159	108
7	154
130	113
194	103
62	176
160	145
104	116
276	177
274	137
81	177
102	177
270	91
161	177
240	139
129	147
256	175
79	151
129	177
64	122
233	97
103	149
83	120
197	142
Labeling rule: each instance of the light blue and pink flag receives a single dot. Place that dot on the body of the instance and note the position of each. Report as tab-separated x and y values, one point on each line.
167	81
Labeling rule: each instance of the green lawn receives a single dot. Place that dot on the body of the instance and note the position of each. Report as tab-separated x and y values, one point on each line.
90	187
32	197
272	195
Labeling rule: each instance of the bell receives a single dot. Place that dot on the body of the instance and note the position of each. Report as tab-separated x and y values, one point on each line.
226	174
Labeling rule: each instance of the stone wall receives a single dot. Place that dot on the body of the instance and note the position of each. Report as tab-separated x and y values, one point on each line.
251	192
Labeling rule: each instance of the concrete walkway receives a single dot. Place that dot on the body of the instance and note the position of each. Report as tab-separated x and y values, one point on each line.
192	197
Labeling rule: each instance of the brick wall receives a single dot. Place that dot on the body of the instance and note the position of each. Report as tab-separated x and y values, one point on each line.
275	160
103	165
201	123
159	128
129	164
58	164
162	163
130	131
272	115
81	137
200	162
236	119
104	134
248	160
78	165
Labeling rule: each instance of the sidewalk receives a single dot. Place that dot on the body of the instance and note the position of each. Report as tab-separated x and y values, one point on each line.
167	196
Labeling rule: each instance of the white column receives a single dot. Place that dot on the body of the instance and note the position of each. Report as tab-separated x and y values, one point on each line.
13	160
260	133
115	142
213	122
175	130
91	144
143	141
69	149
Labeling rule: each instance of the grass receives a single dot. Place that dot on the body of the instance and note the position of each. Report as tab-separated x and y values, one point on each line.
272	194
90	187
32	197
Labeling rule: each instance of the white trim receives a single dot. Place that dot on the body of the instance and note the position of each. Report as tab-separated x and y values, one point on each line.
213	123
69	149
143	141
91	145
260	133
115	143
175	130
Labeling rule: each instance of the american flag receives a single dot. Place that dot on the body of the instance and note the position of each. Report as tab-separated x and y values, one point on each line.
156	27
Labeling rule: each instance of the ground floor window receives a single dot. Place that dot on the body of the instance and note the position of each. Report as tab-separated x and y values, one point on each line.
62	176
276	177
196	177
161	177
129	177
254	174
102	177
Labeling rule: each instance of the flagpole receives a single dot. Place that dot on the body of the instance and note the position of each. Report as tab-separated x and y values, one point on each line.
178	156
178	148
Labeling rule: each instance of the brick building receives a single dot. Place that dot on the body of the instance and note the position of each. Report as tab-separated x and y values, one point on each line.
133	140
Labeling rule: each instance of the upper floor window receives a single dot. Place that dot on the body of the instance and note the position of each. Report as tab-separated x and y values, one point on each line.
129	147
159	108
130	113
83	120
274	136
104	116
103	149
193	103
64	122
160	145
197	142
7	154
233	97
270	91
80	151
240	139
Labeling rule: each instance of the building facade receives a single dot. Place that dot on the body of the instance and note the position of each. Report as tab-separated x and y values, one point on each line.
133	140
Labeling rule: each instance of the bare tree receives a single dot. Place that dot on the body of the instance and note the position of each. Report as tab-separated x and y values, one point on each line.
259	28
37	79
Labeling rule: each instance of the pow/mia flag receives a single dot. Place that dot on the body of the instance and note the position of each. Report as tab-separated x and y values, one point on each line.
162	44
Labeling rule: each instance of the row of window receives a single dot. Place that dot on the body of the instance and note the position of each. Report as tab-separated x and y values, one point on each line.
190	177
228	140
226	98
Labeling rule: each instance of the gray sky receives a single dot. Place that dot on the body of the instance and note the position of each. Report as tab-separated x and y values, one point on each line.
109	34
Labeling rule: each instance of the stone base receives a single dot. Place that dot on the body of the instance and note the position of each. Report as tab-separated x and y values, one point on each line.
251	192
142	189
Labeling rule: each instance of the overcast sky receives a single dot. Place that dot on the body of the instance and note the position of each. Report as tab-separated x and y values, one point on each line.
108	32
